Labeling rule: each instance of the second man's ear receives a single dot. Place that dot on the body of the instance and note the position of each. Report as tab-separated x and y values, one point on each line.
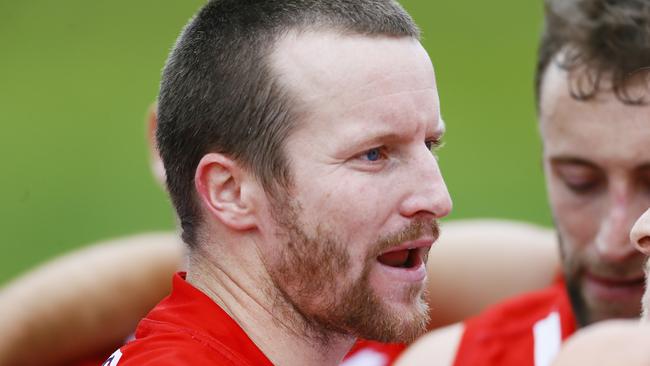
223	188
157	167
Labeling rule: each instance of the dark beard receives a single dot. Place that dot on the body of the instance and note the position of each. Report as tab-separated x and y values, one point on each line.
578	304
586	313
306	277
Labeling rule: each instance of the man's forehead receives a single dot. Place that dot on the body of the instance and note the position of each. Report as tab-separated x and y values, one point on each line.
321	63
603	130
575	87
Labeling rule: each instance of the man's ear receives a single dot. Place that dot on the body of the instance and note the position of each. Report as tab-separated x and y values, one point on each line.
157	167
225	189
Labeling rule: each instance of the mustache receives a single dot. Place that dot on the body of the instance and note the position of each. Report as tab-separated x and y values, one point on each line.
631	268
417	229
575	266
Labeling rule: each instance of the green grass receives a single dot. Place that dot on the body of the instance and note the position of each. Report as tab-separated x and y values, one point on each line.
76	78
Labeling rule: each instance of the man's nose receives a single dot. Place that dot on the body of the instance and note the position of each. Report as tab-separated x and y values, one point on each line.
429	194
613	239
640	233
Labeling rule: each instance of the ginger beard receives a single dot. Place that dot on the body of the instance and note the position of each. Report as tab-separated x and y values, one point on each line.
312	273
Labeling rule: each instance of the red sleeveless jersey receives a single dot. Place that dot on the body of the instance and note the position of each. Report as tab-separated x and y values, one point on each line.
525	331
188	328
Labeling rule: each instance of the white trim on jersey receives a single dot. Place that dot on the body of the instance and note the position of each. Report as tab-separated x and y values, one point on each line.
114	359
547	338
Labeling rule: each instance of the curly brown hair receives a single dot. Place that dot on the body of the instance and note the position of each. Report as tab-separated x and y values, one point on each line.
596	39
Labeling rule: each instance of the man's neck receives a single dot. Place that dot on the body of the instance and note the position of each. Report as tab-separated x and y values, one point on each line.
246	293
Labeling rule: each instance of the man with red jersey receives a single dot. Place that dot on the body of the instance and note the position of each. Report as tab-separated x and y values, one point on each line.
592	91
615	342
296	137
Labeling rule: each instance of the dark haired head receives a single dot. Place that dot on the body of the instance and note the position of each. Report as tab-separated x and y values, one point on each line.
599	42
219	94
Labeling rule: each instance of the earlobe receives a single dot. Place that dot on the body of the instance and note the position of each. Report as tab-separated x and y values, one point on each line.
220	183
152	124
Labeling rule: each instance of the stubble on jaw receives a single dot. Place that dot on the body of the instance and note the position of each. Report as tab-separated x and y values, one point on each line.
645	300
573	269
308	294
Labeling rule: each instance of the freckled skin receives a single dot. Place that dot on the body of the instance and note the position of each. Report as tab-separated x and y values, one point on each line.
358	94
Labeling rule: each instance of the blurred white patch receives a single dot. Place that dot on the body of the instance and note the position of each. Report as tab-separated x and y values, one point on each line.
366	357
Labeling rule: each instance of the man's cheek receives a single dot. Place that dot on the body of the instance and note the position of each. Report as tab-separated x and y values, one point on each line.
351	205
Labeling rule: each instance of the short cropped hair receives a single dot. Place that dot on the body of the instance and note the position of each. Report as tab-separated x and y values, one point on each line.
598	39
219	94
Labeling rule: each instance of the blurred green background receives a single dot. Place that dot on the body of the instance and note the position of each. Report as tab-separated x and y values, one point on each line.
76	78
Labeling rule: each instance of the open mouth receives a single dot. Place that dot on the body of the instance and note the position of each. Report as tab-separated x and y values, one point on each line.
405	258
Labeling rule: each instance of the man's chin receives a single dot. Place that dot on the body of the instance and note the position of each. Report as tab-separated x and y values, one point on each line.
600	310
400	313
399	322
413	322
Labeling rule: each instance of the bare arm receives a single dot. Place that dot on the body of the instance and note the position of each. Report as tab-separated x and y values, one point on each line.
477	263
86	301
609	343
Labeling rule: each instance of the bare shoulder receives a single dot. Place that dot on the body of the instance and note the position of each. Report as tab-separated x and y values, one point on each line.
499	258
435	348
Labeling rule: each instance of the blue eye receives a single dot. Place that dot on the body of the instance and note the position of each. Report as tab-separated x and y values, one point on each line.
433	144
373	154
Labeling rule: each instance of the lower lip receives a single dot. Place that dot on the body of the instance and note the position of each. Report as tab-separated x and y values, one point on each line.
417	273
612	291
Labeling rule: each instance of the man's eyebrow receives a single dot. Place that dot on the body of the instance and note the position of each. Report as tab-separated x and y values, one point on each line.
372	138
571	160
